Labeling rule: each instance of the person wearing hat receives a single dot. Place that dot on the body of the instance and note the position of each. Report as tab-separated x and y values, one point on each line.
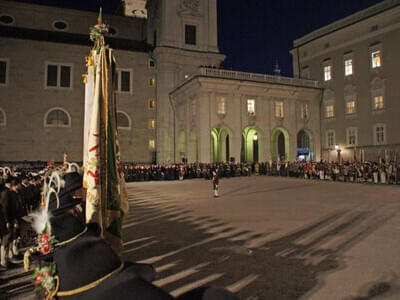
5	221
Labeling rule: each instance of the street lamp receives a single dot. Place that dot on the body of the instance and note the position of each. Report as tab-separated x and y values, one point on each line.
338	152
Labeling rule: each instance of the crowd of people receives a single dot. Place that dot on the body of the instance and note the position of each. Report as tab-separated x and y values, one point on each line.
373	172
19	196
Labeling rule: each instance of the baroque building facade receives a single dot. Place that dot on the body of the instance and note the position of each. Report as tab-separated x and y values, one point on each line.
174	101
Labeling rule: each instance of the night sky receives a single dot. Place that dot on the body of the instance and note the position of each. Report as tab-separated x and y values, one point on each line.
254	34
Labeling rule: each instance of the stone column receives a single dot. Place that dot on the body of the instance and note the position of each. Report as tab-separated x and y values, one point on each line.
204	130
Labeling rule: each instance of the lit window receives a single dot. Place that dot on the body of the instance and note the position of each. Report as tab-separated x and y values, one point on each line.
221	109
123	120
152	104
124	83
379	134
378	102
152	81
330	138
327	72
304	111
348	67
152	144
3	72
352	136
279	109
351	107
376	59
57	117
190	34
251	107
58	75
329	111
152	124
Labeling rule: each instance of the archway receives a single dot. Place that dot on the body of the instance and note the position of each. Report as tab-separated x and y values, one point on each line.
181	145
250	145
220	144
305	145
280	144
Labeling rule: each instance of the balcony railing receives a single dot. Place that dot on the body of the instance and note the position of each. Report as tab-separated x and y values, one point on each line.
228	74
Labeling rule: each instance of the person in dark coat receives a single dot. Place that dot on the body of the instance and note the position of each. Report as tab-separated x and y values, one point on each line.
215	182
5	221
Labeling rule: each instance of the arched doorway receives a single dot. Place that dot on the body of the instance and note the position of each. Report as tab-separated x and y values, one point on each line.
305	146
280	144
220	144
181	146
250	148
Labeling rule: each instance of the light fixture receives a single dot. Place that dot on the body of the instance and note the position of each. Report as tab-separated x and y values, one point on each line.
186	76
337	147
255	137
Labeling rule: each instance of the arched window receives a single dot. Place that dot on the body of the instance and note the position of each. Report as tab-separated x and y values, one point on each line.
3	118
123	120
57	117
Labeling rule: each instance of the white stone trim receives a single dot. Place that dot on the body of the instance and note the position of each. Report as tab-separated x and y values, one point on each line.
45	124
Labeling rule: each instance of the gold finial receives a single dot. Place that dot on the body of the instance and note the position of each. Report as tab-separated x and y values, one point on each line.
99	18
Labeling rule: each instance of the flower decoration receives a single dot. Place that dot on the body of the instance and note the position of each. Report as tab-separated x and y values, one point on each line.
46	241
98	31
44	278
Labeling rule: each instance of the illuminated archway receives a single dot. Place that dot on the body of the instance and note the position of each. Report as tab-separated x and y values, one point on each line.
251	139
305	145
280	141
221	140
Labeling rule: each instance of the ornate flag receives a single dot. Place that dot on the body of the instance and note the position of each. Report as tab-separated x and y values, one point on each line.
106	201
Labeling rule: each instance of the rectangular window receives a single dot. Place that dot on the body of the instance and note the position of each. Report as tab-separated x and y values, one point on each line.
329	111
327	73
124	80
379	103
3	72
152	124
380	134
351	107
58	75
352	136
348	67
152	104
279	109
376	59
251	107
221	109
190	34
152	63
330	138
304	111
152	81
152	144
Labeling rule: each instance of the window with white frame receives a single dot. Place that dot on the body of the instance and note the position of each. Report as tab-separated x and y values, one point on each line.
351	134
379	102
3	118
329	110
376	59
57	117
123	120
221	105
58	75
124	80
304	111
327	72
351	106
251	107
279	109
330	138
3	71
379	134
348	67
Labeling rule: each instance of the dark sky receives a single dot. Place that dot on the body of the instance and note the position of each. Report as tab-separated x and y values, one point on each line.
253	34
